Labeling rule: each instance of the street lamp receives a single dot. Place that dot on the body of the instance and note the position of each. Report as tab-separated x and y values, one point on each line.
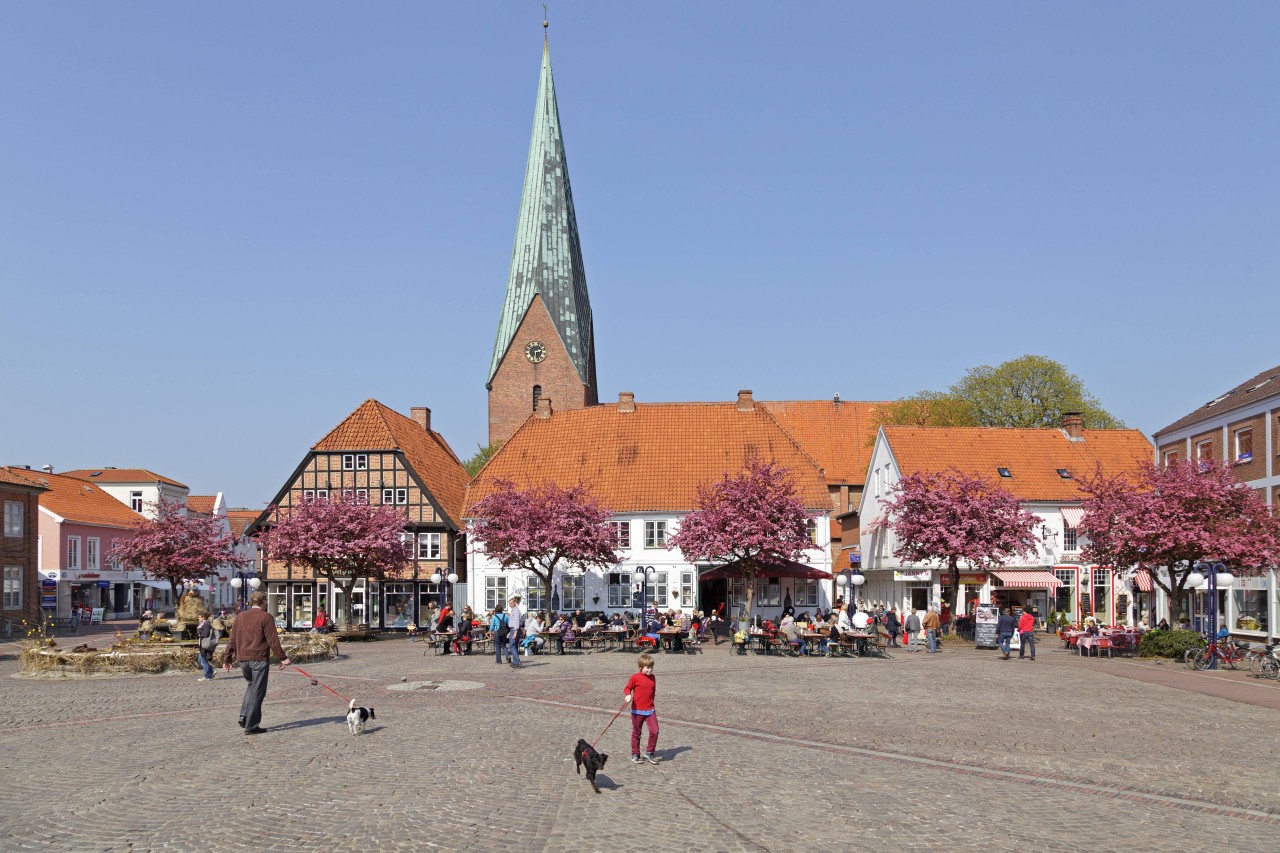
240	581
1215	576
850	579
642	576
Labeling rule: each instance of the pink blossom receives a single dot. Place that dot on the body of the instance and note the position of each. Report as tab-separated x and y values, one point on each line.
179	548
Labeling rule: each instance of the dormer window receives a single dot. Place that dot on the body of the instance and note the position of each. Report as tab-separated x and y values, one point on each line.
1004	472
1064	473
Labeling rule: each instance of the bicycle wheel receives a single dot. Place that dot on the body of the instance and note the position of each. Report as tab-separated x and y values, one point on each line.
1204	660
1270	667
1257	661
1191	657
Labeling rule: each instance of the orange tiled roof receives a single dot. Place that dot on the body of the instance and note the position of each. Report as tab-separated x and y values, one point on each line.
75	500
19	477
239	519
121	475
1031	455
651	459
838	436
201	503
373	426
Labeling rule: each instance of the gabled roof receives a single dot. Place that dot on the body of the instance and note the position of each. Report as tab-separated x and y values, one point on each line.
239	519
1032	456
1265	384
838	436
374	427
75	500
122	476
547	256
202	504
19	477
649	460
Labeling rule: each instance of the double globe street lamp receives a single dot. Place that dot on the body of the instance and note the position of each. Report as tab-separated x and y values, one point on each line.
1215	576
849	580
642	576
239	582
436	578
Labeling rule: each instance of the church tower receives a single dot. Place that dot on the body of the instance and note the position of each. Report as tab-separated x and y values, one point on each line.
545	348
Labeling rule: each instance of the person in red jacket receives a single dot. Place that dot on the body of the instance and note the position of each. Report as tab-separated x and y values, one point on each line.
639	694
1027	633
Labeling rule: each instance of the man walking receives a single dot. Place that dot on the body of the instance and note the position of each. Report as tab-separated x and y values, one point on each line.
931	625
1027	633
1005	627
253	639
913	631
515	618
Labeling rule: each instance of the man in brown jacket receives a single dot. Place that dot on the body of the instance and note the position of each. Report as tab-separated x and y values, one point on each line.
931	624
252	641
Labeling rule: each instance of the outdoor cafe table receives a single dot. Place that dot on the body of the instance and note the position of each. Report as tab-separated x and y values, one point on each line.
442	640
615	635
669	635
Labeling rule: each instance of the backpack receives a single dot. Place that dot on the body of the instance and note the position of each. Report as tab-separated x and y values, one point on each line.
504	629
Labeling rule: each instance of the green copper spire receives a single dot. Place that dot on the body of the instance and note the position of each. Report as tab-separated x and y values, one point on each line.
547	257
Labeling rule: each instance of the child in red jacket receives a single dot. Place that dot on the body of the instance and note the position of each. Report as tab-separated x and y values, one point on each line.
639	694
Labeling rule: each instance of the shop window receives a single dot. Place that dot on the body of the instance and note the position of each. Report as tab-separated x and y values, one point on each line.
1250	609
619	589
397	598
277	600
301	600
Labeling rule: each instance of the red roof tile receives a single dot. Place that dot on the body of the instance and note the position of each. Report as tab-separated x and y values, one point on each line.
838	436
239	519
202	504
373	427
121	476
1033	456
75	500
19	477
650	459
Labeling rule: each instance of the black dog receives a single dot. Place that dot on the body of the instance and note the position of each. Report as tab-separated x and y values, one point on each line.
586	756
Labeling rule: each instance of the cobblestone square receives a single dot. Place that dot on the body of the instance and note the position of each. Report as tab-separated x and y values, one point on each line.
956	751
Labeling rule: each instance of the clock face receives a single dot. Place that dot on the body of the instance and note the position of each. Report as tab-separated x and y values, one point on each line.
535	351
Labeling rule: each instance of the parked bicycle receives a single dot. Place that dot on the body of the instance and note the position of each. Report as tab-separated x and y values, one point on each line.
1228	651
1263	662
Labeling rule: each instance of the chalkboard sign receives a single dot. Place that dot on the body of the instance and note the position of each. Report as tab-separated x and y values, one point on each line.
984	627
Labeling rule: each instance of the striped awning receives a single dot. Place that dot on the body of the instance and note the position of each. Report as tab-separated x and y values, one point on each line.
1142	580
1031	579
1072	515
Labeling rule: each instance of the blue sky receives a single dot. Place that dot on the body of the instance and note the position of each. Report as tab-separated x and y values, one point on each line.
223	227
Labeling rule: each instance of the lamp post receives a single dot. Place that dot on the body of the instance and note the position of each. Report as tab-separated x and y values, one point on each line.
641	576
849	580
243	580
1214	576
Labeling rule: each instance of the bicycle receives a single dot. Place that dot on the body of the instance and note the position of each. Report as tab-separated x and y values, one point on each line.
1264	664
1228	652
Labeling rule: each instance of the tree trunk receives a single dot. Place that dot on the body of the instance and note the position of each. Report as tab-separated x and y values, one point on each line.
348	586
955	585
749	571
547	588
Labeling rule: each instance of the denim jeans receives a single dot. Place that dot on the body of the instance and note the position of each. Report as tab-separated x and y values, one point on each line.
497	648
513	647
933	640
1004	640
1028	644
204	662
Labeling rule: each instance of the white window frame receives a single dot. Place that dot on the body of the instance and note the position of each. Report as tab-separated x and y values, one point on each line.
388	496
1235	439
135	501
495	591
658	595
768	592
92	547
402	496
686	589
428	546
73	553
573	591
348	462
13	587
621	534
362	462
322	494
362	496
1201	446
811	527
655	534
805	593
1070	538
14	515
618	592
534	595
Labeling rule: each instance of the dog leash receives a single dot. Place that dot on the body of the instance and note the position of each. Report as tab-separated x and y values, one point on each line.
610	723
315	681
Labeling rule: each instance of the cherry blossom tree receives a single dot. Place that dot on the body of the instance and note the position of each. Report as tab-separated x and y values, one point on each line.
538	528
178	548
752	517
1176	516
340	539
949	517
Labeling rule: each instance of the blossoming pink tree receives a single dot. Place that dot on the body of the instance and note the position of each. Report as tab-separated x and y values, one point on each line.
339	539
178	548
1175	516
949	517
751	517
541	527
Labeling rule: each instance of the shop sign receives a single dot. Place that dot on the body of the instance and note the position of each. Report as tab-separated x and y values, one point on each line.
48	593
971	578
104	584
913	575
88	575
985	619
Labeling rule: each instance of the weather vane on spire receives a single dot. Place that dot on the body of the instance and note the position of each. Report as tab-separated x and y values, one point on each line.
544	22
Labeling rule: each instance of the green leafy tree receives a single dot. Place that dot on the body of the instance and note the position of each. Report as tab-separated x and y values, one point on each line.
482	455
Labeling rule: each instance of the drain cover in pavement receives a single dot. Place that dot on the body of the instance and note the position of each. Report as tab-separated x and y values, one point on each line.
436	685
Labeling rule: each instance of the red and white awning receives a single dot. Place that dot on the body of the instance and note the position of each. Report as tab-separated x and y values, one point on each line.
1032	579
1072	515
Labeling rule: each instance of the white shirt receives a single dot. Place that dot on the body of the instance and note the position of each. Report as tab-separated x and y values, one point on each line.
861	620
842	622
515	619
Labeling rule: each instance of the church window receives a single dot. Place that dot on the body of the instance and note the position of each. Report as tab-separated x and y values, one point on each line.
537	395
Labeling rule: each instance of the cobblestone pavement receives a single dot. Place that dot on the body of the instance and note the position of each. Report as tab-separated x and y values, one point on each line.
956	751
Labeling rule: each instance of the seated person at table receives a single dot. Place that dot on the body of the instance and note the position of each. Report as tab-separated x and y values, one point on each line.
1162	625
563	630
532	642
444	622
1091	626
462	640
686	626
792	632
579	619
649	637
616	620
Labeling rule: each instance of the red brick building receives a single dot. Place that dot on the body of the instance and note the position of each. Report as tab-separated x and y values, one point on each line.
19	545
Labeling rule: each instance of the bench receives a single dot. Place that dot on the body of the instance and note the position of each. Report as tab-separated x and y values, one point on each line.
354	632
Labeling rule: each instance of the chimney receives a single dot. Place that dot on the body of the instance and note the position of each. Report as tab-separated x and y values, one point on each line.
836	398
1073	426
745	403
544	408
48	469
421	416
626	401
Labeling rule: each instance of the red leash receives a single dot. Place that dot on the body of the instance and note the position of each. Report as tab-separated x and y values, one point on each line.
610	723
315	680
